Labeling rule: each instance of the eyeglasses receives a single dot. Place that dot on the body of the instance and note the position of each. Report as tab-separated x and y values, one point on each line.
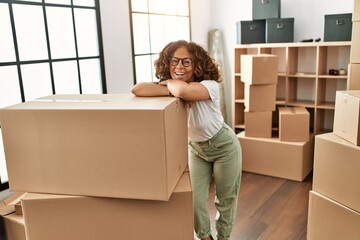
186	62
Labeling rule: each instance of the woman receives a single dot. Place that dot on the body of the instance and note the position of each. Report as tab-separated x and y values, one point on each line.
186	71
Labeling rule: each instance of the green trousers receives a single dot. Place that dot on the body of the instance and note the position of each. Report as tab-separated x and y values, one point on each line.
219	158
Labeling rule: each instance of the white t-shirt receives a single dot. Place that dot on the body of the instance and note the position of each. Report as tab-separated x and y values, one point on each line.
204	117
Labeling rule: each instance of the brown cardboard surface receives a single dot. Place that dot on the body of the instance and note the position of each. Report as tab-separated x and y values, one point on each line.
330	220
14	226
294	124
356	11
8	205
259	69
353	82
272	157
260	97
337	170
258	124
110	145
355	38
93	218
347	115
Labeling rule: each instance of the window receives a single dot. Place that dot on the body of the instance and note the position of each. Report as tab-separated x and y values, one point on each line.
155	23
48	47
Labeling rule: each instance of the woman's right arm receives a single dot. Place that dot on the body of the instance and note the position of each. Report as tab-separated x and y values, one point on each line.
149	89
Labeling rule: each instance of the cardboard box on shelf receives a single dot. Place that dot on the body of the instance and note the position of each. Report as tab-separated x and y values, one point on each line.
272	157
337	170
355	38
347	115
259	98
107	145
294	124
59	217
327	219
14	227
259	69
258	124
356	11
353	82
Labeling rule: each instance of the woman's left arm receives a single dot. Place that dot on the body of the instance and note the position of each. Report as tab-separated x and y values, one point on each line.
191	92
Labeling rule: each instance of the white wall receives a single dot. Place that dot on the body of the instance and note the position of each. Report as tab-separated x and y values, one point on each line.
206	15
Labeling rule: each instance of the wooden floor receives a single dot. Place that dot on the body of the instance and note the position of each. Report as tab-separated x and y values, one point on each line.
269	208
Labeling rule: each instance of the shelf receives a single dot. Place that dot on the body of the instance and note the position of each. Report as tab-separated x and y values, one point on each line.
303	78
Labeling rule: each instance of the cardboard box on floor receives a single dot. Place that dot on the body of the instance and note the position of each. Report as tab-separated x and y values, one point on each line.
327	219
294	124
259	69
59	217
337	170
14	227
347	115
258	124
260	97
109	145
355	38
272	157
353	82
356	11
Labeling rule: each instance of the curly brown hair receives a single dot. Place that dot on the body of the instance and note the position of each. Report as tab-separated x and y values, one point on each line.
205	68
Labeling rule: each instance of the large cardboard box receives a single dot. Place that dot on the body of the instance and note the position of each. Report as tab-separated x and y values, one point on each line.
337	170
294	124
355	38
14	227
258	98
272	157
258	124
259	69
353	82
115	145
347	115
327	219
59	217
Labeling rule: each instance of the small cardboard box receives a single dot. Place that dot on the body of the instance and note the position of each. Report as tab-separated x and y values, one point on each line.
259	69
355	48
294	124
260	98
59	217
327	219
258	124
347	115
14	226
110	145
337	170
272	157
353	82
356	11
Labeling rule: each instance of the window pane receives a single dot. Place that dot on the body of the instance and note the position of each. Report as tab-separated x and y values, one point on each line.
176	7
156	6
30	32
66	77
157	32
6	38
181	24
86	3
9	86
86	32
90	76
31	0
141	33
144	67
61	32
65	2
139	5
3	169
36	80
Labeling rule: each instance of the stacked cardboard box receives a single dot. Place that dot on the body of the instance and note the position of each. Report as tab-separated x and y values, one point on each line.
103	166
334	209
354	65
259	73
288	156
